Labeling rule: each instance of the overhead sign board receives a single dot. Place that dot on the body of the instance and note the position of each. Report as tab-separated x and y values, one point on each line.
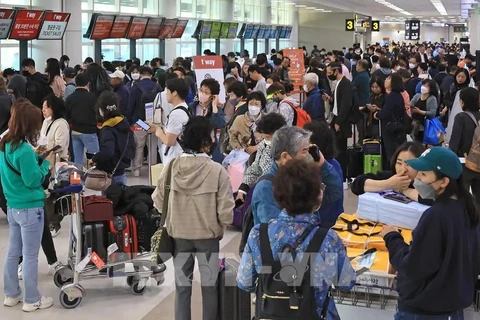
153	28
412	30
27	25
54	26
6	20
103	26
375	25
350	25
120	27
167	29
137	28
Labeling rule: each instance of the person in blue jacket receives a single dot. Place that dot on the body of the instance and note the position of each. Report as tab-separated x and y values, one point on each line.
314	105
292	143
208	106
437	271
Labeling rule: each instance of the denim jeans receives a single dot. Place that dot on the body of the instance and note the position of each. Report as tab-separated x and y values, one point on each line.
26	228
408	316
81	142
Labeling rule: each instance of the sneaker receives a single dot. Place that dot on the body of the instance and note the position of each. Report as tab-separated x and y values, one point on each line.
44	303
136	173
55	231
12	302
54	267
20	271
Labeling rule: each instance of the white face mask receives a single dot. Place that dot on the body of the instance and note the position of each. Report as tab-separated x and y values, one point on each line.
253	110
135	76
424	90
267	142
268	85
203	98
357	51
412	66
305	88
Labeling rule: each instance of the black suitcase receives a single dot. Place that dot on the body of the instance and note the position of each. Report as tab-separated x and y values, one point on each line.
233	303
147	227
95	237
355	158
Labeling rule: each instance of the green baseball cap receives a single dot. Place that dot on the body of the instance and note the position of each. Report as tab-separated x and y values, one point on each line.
438	159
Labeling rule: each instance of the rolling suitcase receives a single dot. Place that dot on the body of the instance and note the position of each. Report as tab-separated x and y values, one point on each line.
147	227
94	235
355	159
234	304
372	152
123	232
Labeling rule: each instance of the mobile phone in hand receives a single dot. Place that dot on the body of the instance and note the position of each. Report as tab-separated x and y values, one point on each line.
143	125
315	153
54	149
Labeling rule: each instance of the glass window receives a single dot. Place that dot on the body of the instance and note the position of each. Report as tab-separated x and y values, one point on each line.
147	49
87	4
105	6
150	7
16	3
130	6
10	56
186	9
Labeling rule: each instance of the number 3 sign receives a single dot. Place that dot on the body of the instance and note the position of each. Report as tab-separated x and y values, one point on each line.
375	26
350	25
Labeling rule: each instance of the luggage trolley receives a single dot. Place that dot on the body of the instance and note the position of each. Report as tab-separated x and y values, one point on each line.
68	277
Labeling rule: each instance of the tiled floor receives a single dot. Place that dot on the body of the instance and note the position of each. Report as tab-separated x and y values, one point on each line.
112	299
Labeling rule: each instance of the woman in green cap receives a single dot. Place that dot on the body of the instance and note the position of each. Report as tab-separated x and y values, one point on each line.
438	270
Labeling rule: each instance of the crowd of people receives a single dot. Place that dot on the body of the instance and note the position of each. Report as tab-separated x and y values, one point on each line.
296	148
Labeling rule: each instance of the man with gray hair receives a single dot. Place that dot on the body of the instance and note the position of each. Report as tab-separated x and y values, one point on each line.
292	143
314	104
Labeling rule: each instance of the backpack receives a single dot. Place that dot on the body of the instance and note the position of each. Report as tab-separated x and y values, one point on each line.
286	291
36	91
472	161
189	117
248	221
145	98
300	116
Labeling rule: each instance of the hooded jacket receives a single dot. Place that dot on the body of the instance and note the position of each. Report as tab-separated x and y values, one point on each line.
382	73
200	204
112	144
37	88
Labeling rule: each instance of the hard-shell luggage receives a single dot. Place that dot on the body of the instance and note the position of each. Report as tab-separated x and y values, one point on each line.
233	303
372	163
97	209
123	232
147	227
355	159
95	237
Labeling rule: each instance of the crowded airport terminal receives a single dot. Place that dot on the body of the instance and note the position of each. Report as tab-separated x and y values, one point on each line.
240	159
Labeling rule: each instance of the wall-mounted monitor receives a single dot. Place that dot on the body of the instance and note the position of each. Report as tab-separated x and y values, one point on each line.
248	32
167	28
241	32
255	30
216	29
206	29
198	30
153	28
26	25
224	30
288	33
120	27
273	31
261	32
283	32
179	29
137	28
6	21
232	30
54	26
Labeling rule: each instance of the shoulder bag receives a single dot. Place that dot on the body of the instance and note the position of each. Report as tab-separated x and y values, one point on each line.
100	180
45	182
162	242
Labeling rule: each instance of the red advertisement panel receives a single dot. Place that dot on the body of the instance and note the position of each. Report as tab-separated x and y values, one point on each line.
103	26
120	27
137	28
167	28
153	27
54	25
27	24
297	67
179	29
6	20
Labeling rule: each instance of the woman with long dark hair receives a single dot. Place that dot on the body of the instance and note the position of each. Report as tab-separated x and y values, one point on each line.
55	79
452	99
23	173
64	62
376	102
437	271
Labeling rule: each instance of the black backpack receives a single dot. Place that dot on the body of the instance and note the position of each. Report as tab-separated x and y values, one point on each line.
284	288
37	90
146	97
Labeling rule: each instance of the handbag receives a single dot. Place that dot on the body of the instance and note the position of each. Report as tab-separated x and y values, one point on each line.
434	133
157	112
99	180
161	242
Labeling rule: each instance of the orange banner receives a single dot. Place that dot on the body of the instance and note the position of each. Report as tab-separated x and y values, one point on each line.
297	67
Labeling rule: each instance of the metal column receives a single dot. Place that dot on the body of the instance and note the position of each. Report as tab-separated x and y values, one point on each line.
98	51
242	46
267	46
277	43
162	49
217	46
23	48
199	47
255	45
133	48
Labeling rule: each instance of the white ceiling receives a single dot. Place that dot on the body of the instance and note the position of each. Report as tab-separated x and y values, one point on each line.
456	11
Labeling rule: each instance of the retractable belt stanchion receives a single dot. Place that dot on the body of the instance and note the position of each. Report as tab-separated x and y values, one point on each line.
150	151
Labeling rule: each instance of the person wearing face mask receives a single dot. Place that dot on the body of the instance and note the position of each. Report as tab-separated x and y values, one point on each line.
117	143
243	133
208	106
437	271
169	133
200	207
423	105
413	66
286	104
314	104
120	90
134	74
266	127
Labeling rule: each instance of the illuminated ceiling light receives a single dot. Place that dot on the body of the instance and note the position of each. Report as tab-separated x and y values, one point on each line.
439	6
310	8
327	10
300	6
319	9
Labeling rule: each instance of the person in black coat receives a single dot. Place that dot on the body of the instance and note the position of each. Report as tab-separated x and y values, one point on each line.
392	115
5	105
341	101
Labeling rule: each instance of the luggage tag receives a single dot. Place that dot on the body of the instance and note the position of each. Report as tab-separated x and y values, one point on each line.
112	248
97	260
82	264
